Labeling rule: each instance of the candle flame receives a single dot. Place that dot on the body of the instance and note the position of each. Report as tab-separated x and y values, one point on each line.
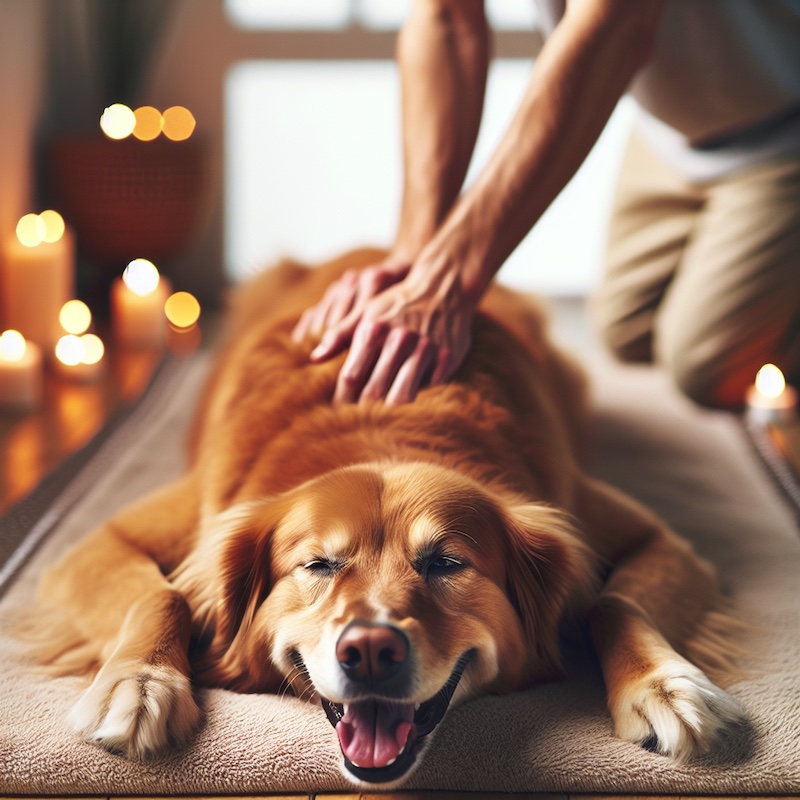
75	316
770	381
179	123
12	346
54	226
141	277
182	310
31	230
93	348
70	350
149	123
118	121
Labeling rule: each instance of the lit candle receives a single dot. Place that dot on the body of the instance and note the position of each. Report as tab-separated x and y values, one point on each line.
137	305
75	317
79	358
770	400
38	265
20	372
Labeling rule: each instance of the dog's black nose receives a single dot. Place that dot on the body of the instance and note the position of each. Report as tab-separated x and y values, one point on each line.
372	653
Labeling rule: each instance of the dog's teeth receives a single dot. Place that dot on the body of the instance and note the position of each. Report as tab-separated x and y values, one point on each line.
389	763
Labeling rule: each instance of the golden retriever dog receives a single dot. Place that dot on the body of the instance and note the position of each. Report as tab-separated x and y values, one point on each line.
384	561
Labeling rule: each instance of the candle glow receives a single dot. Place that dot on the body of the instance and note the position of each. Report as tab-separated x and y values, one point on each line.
179	123
33	229
54	226
75	317
182	310
149	123
12	346
70	350
118	121
93	348
141	277
770	381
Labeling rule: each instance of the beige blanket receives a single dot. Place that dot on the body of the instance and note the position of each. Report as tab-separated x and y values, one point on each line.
694	467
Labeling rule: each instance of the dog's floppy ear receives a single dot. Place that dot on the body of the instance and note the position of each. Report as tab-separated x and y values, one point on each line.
225	580
549	567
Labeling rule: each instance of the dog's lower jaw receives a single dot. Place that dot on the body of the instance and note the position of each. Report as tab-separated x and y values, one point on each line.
405	727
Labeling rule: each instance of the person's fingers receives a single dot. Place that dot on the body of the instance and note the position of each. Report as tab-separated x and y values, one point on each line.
368	340
414	373
398	347
338	302
335	339
444	366
331	309
301	329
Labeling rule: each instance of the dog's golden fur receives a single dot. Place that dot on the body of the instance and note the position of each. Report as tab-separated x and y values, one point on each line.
461	526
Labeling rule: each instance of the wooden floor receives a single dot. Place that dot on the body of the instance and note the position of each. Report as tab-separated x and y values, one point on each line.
411	795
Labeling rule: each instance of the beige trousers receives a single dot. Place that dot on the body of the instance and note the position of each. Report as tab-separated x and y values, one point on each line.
704	279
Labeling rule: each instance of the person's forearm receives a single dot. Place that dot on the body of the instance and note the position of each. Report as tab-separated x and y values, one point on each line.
577	80
443	58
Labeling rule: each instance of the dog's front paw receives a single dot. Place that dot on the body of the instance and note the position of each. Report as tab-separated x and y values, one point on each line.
674	710
136	709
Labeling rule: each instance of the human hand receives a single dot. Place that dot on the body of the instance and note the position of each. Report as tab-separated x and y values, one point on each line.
414	333
348	296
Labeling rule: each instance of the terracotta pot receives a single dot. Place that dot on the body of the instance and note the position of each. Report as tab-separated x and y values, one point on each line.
129	199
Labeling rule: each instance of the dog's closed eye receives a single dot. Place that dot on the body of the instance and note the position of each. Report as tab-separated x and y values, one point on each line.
324	567
435	566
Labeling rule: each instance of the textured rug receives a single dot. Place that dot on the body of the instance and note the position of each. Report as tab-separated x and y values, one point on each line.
697	468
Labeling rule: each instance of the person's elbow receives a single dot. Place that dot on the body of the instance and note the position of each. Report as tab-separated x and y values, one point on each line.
628	27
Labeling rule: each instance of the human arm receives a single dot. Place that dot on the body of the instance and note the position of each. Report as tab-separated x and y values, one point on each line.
442	56
578	77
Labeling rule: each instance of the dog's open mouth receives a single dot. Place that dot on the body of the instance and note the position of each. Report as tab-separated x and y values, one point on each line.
380	738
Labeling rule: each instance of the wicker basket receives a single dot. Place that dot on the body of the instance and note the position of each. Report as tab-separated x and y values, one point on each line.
128	199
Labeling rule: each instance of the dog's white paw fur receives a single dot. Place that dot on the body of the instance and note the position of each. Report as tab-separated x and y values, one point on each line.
136	709
675	710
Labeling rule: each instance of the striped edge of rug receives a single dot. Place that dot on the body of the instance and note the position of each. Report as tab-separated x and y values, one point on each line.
781	472
27	523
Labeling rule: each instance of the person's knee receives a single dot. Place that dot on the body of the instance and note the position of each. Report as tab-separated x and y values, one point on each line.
626	336
709	375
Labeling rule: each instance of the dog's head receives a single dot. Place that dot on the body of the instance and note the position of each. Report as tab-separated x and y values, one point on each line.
387	592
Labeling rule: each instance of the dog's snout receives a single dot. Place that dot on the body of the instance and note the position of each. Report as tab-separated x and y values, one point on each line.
371	653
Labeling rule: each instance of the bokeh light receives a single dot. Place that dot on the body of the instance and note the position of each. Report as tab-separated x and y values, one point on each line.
178	123
182	310
75	316
70	350
148	123
770	381
31	230
141	276
118	121
53	224
93	348
12	346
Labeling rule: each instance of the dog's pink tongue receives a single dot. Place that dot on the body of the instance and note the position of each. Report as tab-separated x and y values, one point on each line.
373	734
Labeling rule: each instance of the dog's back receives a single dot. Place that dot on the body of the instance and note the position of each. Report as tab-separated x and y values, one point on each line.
515	397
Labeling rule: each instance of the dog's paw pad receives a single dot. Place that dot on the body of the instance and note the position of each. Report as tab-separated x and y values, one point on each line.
675	710
136	709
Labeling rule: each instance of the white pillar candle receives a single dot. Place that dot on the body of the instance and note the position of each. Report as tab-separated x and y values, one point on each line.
20	372
769	400
137	305
37	276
